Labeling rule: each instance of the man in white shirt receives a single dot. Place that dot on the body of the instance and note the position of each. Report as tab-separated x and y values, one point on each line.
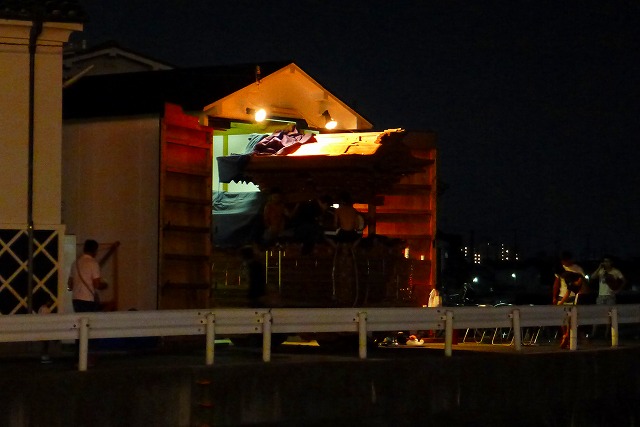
84	279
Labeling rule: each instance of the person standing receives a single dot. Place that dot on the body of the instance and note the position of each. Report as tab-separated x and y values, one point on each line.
256	277
569	284
85	280
610	282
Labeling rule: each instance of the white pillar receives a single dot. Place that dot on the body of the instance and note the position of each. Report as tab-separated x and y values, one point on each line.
448	333
517	332
83	352
362	335
266	337
211	338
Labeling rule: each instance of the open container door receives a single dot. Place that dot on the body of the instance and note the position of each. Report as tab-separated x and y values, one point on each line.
185	211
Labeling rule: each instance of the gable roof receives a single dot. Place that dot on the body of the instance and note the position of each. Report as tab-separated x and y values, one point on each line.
289	93
47	10
109	58
142	93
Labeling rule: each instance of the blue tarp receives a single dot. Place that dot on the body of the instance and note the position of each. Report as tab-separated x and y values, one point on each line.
231	168
237	218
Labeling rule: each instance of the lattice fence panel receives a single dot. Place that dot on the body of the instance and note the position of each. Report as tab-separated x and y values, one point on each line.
14	273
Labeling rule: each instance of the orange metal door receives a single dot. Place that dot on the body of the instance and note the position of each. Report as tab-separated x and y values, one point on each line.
185	211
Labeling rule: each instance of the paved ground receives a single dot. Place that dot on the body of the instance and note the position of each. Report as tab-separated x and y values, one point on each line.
190	352
169	385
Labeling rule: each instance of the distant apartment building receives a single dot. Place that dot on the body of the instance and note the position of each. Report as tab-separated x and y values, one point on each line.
490	251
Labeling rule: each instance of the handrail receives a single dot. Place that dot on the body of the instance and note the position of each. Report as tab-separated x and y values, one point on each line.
267	321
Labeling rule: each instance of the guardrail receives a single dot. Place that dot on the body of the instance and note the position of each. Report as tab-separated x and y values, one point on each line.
215	322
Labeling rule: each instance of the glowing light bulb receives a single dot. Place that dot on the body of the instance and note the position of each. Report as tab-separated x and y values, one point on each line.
331	124
260	115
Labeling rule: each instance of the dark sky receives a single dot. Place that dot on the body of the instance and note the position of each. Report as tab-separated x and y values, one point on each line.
536	104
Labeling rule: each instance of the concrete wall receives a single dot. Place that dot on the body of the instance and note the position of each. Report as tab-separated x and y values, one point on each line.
110	190
586	388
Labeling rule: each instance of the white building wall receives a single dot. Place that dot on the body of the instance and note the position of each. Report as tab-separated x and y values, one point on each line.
14	121
118	200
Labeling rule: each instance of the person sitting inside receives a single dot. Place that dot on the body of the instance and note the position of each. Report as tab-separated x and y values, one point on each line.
348	221
275	215
307	223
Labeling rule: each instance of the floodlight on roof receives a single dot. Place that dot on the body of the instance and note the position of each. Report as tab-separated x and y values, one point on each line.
329	123
258	115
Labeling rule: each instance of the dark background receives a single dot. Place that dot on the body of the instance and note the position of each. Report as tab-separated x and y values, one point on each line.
535	103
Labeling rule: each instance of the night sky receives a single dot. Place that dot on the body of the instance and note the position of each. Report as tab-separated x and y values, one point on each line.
536	104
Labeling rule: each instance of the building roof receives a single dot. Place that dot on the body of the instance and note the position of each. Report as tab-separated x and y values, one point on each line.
47	10
143	93
289	93
109	58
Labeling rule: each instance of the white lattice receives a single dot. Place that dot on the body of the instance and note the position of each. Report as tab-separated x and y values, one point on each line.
14	268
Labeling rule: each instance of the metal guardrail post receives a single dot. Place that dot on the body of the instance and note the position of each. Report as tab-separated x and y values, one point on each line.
83	352
517	332
211	338
280	271
614	326
573	325
448	333
362	335
266	337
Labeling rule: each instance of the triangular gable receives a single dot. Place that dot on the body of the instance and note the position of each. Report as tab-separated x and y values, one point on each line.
110	58
288	93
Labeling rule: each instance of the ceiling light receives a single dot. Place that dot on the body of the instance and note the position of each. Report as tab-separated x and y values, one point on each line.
329	123
258	115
